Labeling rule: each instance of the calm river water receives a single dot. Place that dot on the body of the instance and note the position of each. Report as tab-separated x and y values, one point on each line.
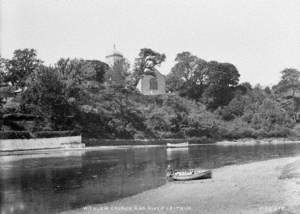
51	182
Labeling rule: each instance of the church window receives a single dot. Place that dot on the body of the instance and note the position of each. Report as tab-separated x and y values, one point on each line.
153	84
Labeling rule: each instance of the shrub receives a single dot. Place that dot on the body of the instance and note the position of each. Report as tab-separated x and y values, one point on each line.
50	134
15	135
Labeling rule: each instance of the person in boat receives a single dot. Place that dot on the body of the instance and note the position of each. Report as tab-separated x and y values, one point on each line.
170	171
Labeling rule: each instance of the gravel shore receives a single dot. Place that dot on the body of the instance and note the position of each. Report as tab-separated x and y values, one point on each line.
271	186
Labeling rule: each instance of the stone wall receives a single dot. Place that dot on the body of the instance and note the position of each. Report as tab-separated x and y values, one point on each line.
41	143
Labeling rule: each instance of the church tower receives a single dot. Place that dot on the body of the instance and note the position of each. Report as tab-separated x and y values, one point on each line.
118	67
114	57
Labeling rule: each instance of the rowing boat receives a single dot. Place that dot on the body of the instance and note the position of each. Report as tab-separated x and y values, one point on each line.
177	145
191	175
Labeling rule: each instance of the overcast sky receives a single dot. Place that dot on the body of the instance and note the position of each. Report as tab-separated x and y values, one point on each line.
260	37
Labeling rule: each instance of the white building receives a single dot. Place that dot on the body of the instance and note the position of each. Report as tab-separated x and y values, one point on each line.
152	85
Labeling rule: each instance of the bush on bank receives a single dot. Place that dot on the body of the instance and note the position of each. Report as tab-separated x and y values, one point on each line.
171	116
41	134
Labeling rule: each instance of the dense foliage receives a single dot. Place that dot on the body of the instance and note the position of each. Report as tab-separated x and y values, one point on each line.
207	100
145	64
210	82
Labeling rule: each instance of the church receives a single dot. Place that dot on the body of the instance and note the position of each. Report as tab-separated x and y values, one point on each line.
152	85
117	75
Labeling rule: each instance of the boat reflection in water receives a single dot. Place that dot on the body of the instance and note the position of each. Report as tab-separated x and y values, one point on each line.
175	153
179	158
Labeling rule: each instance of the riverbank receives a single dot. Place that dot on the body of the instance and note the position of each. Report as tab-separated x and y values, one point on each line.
14	145
270	186
192	141
252	141
92	142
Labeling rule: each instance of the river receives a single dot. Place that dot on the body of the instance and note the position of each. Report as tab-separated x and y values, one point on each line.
54	181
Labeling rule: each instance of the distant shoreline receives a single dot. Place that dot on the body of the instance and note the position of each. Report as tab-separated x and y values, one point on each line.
52	143
108	144
264	141
92	142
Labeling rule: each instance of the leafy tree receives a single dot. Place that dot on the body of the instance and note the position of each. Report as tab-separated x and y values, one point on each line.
120	113
268	90
80	70
23	63
3	70
246	85
243	88
235	107
270	115
81	76
145	63
174	83
97	69
221	80
47	97
289	83
2	77
188	76
213	82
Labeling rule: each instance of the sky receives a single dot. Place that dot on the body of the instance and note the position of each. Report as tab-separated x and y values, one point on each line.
260	37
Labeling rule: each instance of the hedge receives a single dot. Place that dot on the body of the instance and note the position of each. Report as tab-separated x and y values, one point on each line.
15	135
41	134
49	134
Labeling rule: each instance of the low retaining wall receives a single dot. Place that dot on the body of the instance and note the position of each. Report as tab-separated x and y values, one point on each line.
69	142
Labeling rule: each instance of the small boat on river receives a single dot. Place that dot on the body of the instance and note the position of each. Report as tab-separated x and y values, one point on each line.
193	174
177	145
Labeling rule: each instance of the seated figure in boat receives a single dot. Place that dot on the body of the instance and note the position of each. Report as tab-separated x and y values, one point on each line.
170	171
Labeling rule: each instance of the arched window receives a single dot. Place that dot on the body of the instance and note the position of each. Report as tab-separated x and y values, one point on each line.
153	84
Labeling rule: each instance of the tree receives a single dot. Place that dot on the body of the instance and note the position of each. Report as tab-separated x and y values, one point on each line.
120	113
289	83
23	63
268	90
145	64
221	80
174	83
97	69
269	115
47	97
243	88
3	70
188	76
80	70
5	89
81	75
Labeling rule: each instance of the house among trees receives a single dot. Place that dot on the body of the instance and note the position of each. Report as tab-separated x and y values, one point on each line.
118	74
152	85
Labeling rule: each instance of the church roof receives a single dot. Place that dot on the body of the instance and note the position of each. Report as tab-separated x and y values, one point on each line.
157	73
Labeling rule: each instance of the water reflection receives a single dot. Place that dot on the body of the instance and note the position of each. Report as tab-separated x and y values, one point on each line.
48	184
54	181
